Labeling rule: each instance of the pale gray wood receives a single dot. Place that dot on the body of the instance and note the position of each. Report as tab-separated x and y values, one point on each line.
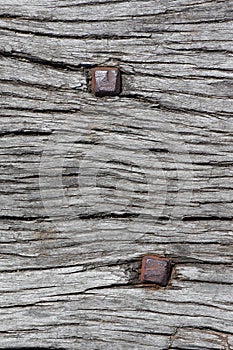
89	185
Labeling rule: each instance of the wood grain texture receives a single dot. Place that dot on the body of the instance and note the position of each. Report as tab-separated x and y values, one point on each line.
89	185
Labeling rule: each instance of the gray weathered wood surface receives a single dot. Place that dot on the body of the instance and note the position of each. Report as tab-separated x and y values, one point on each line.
89	185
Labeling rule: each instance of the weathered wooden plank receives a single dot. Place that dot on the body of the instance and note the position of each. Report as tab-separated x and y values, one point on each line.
203	170
88	185
106	314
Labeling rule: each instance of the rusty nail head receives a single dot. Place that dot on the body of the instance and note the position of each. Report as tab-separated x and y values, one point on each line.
106	81
155	270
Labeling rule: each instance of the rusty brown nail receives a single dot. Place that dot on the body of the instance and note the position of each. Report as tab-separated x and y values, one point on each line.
155	270
105	81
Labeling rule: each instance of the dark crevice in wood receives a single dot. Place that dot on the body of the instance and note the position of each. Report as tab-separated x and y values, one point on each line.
204	21
25	152
43	110
43	61
203	50
45	87
110	215
185	110
111	286
86	142
166	76
76	36
207	218
126	131
214	163
97	216
10	17
159	150
124	163
23	218
133	127
25	133
156	104
23	96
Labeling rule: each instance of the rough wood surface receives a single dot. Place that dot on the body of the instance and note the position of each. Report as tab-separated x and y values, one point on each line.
89	185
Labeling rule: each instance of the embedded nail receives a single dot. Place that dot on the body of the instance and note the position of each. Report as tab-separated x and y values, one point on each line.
106	81
155	270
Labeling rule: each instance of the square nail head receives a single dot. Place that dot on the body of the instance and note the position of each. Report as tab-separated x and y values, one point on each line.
106	81
155	270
